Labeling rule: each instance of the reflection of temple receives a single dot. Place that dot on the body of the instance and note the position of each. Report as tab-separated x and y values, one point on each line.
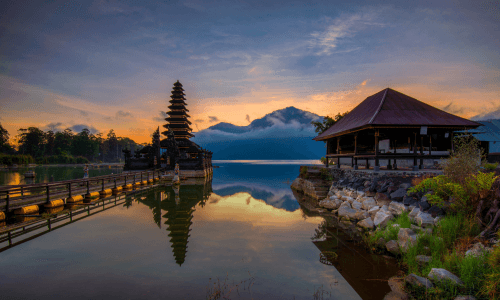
179	204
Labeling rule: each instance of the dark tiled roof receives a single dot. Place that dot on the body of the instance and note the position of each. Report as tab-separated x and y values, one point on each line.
390	107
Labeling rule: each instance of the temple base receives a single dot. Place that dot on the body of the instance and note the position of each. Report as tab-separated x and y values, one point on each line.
376	168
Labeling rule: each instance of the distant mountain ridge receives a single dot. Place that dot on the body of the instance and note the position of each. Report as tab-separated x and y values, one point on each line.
283	134
285	115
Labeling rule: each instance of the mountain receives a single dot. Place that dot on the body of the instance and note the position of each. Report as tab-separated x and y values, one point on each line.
283	134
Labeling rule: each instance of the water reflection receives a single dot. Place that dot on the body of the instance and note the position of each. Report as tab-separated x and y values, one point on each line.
44	174
179	204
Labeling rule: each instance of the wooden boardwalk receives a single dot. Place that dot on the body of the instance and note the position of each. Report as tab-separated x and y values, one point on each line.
17	196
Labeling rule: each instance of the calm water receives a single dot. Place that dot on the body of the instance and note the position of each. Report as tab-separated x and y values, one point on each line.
243	228
44	174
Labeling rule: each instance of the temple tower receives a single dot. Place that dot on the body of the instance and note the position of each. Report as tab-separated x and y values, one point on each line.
177	119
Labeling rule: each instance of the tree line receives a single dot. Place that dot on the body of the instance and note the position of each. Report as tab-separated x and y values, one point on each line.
34	145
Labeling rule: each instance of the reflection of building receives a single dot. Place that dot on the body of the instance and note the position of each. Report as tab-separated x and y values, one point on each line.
178	213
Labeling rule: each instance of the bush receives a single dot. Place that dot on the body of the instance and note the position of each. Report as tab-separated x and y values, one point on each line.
389	232
489	166
462	162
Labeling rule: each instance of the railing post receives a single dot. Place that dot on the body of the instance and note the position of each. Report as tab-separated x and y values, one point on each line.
69	189
103	184
48	193
125	180
141	177
88	187
22	194
134	178
115	182
7	200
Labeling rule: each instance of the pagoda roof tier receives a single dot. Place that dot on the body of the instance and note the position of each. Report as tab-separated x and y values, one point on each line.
177	94
392	108
177	83
176	127
178	113
172	120
178	107
178	101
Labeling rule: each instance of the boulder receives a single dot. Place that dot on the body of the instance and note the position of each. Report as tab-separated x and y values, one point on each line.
407	200
467	297
366	223
369	203
397	208
423	205
435	211
414	212
424	219
383	188
441	275
347	212
415	228
423	259
405	186
406	238
381	218
415	280
385	208
361	214
392	189
476	250
398	195
358	205
345	204
393	247
367	183
437	219
373	210
382	199
330	204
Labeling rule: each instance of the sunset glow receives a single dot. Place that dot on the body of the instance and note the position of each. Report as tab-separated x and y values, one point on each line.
111	65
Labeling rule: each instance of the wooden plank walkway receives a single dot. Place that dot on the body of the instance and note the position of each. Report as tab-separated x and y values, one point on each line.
16	196
26	231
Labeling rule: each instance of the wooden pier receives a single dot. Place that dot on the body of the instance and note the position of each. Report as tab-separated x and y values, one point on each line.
57	193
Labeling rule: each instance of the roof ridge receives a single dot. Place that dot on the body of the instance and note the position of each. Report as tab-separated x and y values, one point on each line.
379	107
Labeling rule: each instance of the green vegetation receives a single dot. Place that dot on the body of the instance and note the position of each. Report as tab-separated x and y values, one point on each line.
33	145
390	232
489	166
472	206
327	122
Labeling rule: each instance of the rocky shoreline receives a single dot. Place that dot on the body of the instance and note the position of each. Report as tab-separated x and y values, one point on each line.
365	203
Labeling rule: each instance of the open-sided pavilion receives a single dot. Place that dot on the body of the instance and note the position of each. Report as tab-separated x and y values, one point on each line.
390	125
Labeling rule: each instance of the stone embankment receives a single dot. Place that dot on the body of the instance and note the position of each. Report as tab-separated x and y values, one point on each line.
365	203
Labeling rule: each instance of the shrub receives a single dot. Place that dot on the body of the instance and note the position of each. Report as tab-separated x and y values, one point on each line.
462	162
389	232
489	166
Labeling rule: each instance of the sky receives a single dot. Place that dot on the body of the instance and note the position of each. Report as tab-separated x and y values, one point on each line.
112	64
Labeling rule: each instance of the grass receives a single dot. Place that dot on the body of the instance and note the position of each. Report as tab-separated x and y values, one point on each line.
390	232
447	245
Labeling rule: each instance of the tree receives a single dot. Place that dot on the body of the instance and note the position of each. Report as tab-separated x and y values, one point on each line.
63	141
112	146
5	147
327	122
50	143
31	141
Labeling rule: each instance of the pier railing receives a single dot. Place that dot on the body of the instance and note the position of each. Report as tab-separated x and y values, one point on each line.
17	196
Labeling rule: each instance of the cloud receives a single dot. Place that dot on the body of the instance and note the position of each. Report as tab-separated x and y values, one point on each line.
161	118
247	118
122	114
341	28
199	121
84	113
212	119
54	127
278	130
79	127
453	109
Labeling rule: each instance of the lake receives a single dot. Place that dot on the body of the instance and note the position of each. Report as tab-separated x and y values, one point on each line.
243	233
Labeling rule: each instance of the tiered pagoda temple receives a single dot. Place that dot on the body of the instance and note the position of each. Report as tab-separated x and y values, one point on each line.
176	148
392	126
